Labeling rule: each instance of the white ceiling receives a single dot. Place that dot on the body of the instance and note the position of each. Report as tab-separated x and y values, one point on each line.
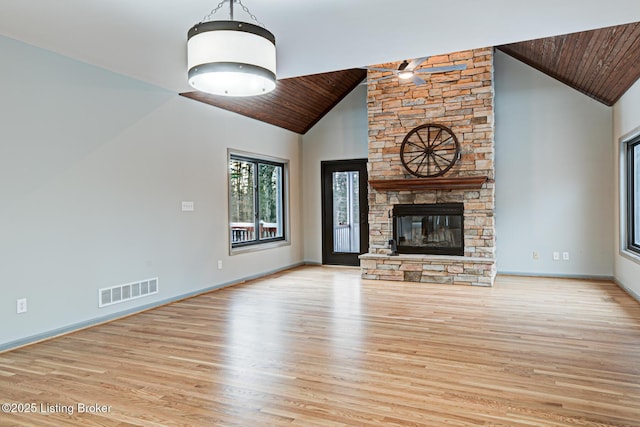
146	39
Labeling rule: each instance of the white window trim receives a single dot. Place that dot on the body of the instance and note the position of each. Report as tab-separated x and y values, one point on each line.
287	217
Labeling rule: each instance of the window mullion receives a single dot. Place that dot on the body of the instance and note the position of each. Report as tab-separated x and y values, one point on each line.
632	242
256	198
629	166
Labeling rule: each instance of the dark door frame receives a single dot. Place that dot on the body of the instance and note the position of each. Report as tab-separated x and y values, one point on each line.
327	170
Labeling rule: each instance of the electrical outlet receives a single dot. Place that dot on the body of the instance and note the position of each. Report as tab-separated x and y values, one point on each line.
21	305
536	255
219	264
556	256
565	256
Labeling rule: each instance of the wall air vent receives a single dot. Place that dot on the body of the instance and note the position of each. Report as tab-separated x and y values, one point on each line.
127	292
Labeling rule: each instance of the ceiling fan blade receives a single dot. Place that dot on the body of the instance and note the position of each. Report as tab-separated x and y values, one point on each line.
373	81
417	80
441	69
393	76
416	63
393	70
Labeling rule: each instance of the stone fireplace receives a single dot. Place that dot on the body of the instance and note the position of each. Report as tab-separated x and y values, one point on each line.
461	100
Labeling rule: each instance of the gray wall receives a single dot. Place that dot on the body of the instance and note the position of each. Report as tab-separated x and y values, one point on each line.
93	169
553	175
341	134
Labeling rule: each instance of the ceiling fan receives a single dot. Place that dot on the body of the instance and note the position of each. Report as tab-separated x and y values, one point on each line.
410	71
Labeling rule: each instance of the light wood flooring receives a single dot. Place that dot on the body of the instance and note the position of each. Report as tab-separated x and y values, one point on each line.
318	346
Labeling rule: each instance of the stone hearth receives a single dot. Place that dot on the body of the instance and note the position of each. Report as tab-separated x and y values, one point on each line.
463	102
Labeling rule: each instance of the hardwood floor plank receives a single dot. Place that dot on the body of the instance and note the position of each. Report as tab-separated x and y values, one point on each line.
318	346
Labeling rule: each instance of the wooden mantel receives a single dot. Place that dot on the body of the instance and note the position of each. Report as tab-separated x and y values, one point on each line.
438	183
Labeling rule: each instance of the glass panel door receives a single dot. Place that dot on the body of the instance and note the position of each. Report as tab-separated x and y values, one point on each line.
345	229
346	212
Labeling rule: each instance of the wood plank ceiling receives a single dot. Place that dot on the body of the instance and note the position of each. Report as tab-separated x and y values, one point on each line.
601	63
296	104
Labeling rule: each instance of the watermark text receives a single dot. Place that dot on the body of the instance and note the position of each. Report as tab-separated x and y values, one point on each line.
54	408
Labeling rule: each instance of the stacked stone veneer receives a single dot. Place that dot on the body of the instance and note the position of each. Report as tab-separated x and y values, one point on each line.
462	101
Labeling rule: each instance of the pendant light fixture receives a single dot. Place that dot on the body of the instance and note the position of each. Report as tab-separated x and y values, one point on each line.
231	58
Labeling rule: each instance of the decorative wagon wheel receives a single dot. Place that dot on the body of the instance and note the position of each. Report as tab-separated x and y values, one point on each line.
429	150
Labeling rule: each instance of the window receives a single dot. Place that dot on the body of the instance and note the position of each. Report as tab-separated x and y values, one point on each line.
256	200
633	195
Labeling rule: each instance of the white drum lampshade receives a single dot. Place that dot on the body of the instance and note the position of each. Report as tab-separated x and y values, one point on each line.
231	58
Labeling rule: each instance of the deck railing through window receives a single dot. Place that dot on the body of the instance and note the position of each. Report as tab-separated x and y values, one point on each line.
346	238
245	231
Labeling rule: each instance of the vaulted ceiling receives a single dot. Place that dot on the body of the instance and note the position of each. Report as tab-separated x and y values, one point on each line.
296	104
601	64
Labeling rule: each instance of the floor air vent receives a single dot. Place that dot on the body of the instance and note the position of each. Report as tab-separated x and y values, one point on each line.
127	292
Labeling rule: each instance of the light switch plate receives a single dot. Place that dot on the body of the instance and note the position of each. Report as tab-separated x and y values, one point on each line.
21	305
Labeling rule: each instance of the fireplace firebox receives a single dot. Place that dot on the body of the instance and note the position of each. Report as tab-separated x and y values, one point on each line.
431	229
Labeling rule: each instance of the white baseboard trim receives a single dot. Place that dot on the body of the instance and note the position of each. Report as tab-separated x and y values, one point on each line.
54	333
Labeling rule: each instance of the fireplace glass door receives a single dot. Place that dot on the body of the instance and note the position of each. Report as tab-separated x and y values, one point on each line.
435	229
